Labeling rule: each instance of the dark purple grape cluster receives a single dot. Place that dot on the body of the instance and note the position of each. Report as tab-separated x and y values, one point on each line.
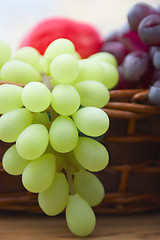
136	47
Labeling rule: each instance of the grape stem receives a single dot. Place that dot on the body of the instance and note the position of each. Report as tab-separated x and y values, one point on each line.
46	80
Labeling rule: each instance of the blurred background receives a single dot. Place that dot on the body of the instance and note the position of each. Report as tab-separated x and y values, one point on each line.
18	17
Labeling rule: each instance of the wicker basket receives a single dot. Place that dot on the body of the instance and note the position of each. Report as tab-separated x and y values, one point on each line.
132	178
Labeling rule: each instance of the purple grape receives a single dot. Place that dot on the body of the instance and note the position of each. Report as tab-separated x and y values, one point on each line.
149	30
135	65
131	39
156	60
113	36
138	12
154	93
156	75
152	51
147	79
115	48
123	83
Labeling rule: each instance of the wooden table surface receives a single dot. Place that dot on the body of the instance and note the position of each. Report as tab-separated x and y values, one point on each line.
22	226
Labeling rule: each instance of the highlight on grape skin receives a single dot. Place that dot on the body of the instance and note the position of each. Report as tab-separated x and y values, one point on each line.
60	95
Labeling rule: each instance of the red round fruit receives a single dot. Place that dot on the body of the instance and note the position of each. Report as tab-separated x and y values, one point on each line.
85	37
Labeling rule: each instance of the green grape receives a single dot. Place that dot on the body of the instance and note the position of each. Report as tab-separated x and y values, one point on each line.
41	118
5	52
77	55
90	70
93	93
10	97
105	57
36	97
88	186
65	99
44	65
12	123
63	134
111	75
38	174
12	162
58	47
32	142
59	157
54	199
91	154
64	68
20	72
29	55
91	121
75	164
80	216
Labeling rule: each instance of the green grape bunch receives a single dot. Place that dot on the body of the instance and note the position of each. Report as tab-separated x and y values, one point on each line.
51	112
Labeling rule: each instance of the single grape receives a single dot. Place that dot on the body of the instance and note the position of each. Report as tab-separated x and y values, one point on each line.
63	134
64	68
54	199
20	72
58	47
90	70
123	82
89	187
149	30
36	97
91	154
156	59
38	174
138	12
32	142
10	97
135	65
80	216
12	123
154	93
111	76
5	52
105	56
93	93
29	55
65	99
91	121
12	162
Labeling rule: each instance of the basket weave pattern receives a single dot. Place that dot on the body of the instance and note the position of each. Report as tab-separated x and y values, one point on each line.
132	178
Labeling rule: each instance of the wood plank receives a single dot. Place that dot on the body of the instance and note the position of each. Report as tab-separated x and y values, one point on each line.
21	226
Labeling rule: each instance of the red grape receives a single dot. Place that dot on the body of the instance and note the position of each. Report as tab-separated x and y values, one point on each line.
149	30
138	12
115	48
135	65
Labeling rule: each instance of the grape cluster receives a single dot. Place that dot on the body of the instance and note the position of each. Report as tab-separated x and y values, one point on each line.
137	47
53	121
